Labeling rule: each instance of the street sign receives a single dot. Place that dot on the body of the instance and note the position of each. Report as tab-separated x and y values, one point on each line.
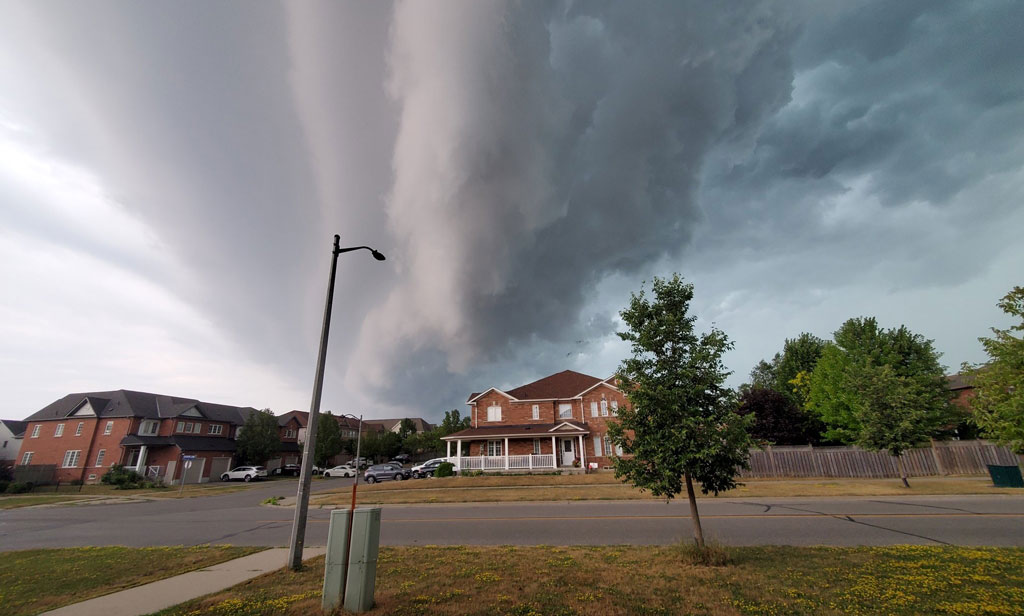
188	457
188	463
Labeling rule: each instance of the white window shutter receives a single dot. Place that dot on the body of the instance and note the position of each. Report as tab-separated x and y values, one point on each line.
597	446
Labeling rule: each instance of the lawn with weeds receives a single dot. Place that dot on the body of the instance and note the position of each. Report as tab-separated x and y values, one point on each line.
33	581
604	486
606	580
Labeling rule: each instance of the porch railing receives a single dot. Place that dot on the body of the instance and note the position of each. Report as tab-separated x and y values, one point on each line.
497	463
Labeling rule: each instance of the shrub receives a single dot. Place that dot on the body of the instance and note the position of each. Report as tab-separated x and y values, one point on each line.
124	478
17	487
3	485
445	469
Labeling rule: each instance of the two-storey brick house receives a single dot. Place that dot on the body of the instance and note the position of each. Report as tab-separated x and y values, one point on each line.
83	434
560	421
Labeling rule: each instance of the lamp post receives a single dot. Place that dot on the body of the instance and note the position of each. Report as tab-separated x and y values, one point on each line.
298	536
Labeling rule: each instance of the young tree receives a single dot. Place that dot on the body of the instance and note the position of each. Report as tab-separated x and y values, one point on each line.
328	439
799	354
681	424
259	440
405	428
998	405
880	389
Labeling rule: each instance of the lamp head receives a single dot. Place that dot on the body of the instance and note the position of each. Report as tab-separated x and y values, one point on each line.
377	255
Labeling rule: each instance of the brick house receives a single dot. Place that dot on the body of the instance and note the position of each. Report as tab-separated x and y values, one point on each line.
292	428
560	421
83	434
11	434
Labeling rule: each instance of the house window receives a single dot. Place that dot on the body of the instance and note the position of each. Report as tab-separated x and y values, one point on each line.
607	446
78	430
180	427
494	413
565	411
59	430
597	446
290	433
494	448
604	408
102	453
148	427
71	458
108	428
536	446
216	429
26	458
615	408
536	411
593	409
35	430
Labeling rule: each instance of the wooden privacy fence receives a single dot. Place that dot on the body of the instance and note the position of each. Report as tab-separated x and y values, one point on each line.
943	458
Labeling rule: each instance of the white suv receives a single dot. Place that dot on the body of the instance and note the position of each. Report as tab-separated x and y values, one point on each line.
245	473
342	470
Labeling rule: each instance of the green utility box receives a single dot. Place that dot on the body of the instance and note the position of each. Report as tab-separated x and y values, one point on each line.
1006	476
361	569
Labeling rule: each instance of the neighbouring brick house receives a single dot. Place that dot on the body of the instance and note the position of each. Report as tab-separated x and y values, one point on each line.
962	386
11	433
560	421
292	427
83	434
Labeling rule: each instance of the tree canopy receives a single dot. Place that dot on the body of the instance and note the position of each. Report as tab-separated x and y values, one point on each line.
998	404
681	424
328	439
453	423
259	440
777	420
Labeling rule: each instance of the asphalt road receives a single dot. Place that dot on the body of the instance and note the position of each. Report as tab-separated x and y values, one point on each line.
238	518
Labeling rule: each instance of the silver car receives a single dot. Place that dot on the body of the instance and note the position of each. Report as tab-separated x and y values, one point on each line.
385	472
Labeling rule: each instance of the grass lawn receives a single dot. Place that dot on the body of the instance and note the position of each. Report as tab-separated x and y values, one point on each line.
604	486
67	494
536	581
33	581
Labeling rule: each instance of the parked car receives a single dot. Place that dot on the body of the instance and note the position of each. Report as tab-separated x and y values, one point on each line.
395	463
288	469
342	470
360	462
384	472
402	457
245	473
427	469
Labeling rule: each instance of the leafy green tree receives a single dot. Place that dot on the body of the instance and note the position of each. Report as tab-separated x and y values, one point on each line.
681	424
453	423
836	389
405	428
799	354
998	404
328	439
764	375
259	440
381	445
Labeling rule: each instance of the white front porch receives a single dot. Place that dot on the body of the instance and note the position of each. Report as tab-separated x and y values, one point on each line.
504	463
568	452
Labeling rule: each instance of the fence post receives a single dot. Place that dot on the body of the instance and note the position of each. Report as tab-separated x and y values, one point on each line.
771	463
938	460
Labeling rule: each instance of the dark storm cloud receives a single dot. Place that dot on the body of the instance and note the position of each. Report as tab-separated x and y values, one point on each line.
542	149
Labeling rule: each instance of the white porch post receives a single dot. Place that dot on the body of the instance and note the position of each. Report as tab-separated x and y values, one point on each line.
141	464
448	449
554	454
458	455
506	453
583	454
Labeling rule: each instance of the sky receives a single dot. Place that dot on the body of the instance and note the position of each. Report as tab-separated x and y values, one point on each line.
172	175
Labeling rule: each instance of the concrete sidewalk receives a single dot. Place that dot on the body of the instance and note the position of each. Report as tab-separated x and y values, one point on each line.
163	594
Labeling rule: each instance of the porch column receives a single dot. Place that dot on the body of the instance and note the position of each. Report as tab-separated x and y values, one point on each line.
506	453
448	449
554	454
458	455
140	466
583	454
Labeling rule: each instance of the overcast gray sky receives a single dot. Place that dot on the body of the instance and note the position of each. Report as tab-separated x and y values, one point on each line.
171	176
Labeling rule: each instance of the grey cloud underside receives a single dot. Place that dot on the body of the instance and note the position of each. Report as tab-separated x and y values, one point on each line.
597	130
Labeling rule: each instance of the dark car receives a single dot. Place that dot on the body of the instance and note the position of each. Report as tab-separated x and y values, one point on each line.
385	472
288	469
402	457
428	468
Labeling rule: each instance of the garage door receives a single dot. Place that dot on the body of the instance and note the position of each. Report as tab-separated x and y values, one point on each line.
219	466
195	472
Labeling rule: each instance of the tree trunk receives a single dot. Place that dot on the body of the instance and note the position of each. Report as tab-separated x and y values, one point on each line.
698	533
903	470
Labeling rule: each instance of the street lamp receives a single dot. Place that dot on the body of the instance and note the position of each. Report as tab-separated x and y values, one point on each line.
298	536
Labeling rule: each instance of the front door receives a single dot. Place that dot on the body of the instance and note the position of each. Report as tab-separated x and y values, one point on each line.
568	451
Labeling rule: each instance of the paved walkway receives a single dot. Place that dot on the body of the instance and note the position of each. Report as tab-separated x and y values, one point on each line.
163	594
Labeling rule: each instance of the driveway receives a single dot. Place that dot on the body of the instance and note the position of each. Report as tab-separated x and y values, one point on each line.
238	518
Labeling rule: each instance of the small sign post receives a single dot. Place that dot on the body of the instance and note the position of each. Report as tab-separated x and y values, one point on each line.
187	465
